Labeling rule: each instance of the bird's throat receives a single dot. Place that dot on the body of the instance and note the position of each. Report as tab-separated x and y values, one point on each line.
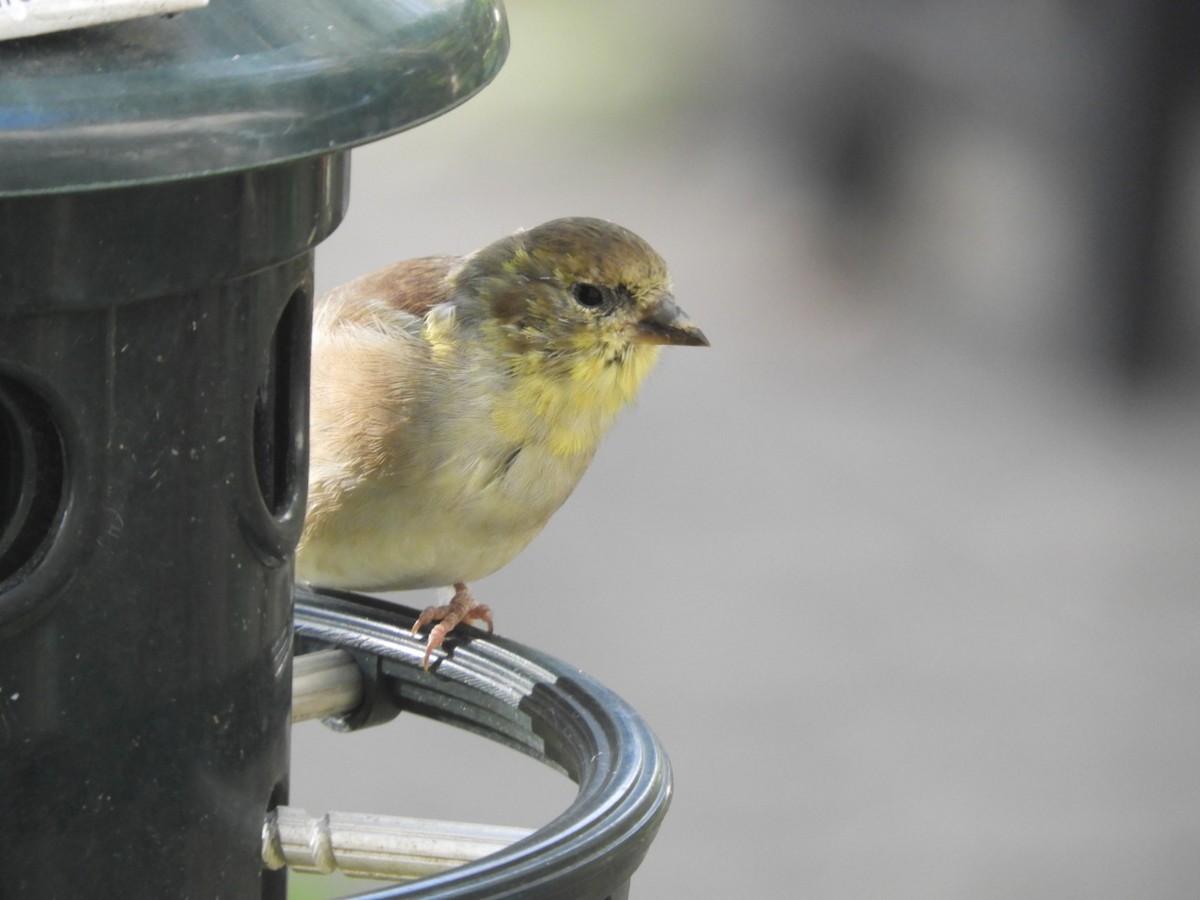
569	403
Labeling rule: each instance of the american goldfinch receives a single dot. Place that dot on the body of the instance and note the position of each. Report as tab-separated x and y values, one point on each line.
457	401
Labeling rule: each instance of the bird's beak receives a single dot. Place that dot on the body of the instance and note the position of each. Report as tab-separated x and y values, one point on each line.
666	323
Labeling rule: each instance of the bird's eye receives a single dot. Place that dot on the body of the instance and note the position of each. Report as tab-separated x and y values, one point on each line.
588	295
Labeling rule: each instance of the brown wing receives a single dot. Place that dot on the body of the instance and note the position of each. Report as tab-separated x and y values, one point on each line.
371	371
412	286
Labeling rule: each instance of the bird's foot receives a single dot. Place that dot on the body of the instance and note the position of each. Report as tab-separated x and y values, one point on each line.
461	608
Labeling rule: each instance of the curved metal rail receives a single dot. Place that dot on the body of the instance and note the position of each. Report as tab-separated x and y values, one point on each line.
524	699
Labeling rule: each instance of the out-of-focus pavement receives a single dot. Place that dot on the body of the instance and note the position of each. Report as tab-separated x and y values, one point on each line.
904	581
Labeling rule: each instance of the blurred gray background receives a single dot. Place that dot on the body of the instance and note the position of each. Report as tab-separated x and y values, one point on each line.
903	570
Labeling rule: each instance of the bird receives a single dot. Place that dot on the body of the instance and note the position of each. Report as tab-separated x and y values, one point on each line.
456	402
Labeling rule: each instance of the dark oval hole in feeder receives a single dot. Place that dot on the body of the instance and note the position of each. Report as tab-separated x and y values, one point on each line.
32	478
278	431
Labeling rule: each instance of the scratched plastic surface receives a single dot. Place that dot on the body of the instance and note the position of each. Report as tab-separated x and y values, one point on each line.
237	85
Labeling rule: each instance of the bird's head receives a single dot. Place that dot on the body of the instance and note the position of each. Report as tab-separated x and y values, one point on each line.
577	309
577	293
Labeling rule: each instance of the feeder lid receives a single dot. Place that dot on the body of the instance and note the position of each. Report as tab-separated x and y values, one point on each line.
235	85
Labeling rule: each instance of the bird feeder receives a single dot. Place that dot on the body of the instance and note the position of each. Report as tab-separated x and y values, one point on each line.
163	184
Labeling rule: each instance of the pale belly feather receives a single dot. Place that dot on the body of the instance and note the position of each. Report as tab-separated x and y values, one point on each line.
461	522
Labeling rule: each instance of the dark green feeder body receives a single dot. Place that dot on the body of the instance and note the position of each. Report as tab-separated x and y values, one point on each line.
163	183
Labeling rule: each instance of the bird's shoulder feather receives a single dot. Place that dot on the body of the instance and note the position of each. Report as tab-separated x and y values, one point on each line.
413	287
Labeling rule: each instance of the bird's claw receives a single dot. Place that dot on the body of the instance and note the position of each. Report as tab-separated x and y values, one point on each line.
462	608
